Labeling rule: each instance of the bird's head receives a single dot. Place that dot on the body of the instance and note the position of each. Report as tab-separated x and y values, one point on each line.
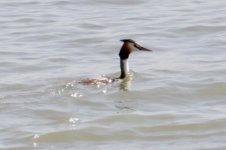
130	46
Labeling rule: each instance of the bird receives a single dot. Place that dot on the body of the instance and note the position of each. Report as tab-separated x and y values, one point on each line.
127	48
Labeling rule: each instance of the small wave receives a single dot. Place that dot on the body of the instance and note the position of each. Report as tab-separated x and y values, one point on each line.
213	89
120	2
202	29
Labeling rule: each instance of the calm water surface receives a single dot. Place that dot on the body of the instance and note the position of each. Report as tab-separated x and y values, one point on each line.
174	99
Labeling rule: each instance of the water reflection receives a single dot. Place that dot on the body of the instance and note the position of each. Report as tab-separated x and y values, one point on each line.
125	106
125	84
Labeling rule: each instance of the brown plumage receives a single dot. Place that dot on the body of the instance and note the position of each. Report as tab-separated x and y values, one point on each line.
125	50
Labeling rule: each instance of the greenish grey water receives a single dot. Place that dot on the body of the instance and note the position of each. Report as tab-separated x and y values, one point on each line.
175	98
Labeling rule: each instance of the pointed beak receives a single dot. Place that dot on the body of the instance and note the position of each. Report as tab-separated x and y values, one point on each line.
142	48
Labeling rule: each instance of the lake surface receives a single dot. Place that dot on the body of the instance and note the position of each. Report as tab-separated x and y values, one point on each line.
174	99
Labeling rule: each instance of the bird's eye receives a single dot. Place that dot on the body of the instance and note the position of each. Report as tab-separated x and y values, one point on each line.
137	46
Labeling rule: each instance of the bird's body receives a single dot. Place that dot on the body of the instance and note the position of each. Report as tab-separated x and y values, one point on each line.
127	48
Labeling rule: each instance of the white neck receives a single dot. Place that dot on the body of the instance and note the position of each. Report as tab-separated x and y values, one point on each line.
124	65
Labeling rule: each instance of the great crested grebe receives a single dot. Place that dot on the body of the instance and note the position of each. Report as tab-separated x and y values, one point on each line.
127	47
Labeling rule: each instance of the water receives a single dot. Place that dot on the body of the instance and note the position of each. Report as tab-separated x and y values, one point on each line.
175	98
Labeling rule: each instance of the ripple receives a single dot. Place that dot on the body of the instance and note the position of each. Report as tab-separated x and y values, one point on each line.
202	29
120	2
213	89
